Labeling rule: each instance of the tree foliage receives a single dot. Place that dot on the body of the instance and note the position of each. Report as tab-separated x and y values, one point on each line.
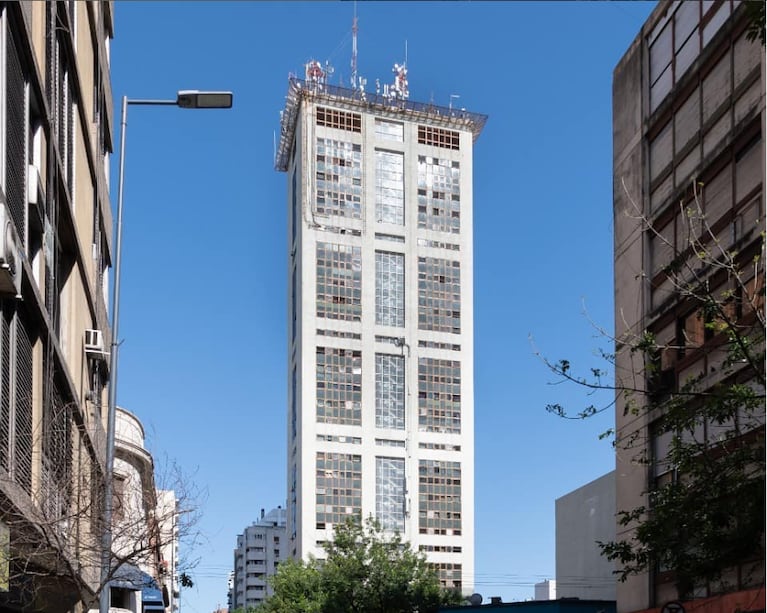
701	434
365	571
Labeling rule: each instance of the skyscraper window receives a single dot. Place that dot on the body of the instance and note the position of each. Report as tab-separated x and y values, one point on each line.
390	289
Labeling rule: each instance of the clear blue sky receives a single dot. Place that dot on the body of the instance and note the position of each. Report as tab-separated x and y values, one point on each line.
203	312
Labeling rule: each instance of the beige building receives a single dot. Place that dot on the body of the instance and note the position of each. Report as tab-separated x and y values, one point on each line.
55	248
380	317
689	170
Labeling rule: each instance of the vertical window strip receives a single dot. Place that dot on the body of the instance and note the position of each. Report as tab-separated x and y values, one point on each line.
439	497
338	178
439	395
390	289
390	493
439	295
339	488
439	194
390	187
390	391
339	386
339	281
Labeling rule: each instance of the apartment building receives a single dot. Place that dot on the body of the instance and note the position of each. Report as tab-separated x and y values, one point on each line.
380	317
689	171
144	525
260	549
55	247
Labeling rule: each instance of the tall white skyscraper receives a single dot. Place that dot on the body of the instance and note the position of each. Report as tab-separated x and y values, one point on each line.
380	317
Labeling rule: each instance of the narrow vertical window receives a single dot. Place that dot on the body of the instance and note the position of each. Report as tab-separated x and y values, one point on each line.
390	289
390	187
390	493
293	404
294	304
294	209
390	391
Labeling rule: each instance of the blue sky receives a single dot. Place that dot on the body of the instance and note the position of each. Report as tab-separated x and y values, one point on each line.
203	310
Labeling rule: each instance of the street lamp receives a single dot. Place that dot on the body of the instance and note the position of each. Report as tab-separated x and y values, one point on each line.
187	99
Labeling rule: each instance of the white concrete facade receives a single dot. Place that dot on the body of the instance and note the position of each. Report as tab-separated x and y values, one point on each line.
260	549
584	517
337	443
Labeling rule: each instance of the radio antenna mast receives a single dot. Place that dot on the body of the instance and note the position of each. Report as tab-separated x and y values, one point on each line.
354	47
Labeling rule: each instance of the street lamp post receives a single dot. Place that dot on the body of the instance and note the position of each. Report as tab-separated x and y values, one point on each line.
188	99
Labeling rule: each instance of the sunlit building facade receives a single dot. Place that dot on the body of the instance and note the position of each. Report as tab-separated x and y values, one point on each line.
380	318
55	249
689	170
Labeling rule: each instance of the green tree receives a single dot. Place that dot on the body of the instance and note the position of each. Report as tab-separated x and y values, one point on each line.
701	429
366	571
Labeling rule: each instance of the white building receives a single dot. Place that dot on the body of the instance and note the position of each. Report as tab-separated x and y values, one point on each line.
584	517
380	318
546	590
260	549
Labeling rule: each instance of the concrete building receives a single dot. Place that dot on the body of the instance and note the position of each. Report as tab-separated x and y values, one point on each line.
260	549
546	590
55	247
583	517
144	526
380	317
688	128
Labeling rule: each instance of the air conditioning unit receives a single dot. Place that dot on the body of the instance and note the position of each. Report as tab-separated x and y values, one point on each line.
34	185
94	344
10	256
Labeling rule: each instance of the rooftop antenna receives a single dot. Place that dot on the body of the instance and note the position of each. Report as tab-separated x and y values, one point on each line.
453	97
354	47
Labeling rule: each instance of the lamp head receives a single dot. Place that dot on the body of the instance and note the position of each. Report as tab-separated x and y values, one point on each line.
193	99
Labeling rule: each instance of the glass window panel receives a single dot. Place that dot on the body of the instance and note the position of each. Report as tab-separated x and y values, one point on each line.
716	87
389	130
390	391
390	493
439	295
685	20
338	174
339	386
339	282
390	289
439	191
339	476
716	22
687	54
439	395
660	88
660	53
390	187
439	497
